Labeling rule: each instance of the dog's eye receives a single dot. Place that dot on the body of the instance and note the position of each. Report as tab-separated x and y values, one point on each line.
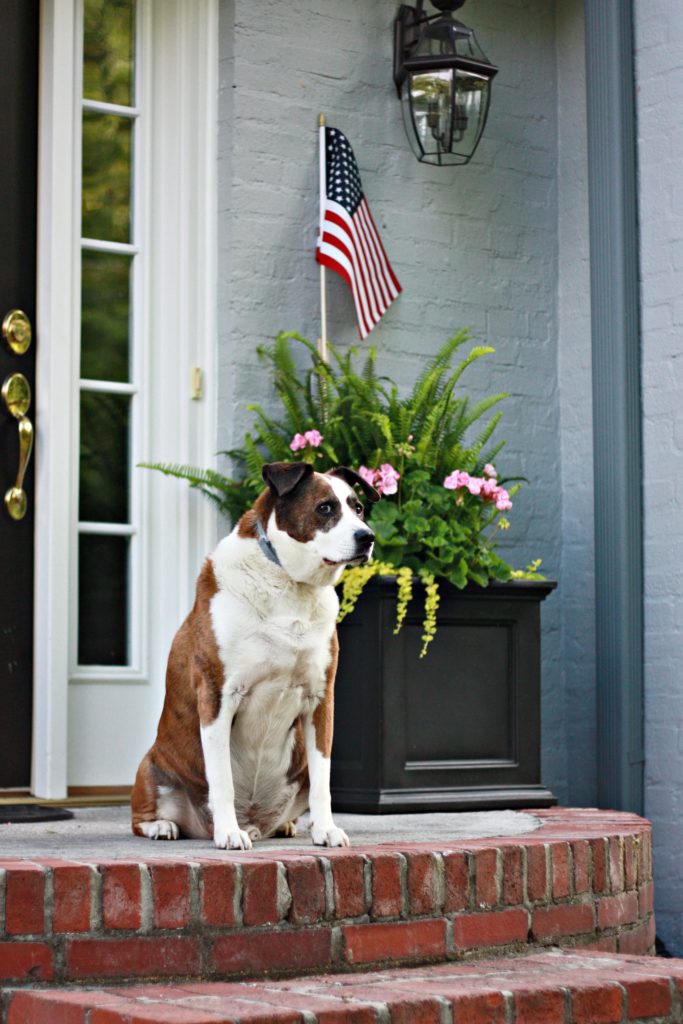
325	509
359	510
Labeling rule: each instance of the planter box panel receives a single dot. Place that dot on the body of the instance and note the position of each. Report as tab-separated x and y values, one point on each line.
458	728
470	704
357	710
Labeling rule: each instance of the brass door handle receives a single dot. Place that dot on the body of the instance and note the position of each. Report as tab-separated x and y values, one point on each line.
16	394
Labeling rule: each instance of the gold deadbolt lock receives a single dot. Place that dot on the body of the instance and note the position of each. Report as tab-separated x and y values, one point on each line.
16	394
16	330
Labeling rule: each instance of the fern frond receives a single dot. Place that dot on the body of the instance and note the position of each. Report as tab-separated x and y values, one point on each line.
440	362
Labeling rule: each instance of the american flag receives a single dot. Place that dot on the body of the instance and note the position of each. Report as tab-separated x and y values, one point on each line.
349	242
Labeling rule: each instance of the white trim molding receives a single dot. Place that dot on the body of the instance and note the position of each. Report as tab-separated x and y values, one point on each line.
175	293
56	321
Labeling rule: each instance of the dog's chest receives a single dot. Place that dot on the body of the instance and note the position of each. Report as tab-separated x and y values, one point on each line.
276	641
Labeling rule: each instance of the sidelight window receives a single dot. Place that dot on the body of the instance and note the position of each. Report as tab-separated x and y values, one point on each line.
110	357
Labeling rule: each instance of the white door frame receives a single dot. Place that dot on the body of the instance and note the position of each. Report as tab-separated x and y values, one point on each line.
180	324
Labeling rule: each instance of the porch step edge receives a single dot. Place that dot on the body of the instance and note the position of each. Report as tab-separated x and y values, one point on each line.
553	986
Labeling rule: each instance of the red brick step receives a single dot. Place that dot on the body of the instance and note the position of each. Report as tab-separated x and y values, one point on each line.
551	987
583	879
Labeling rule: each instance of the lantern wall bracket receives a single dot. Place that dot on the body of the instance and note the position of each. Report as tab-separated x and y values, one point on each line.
407	25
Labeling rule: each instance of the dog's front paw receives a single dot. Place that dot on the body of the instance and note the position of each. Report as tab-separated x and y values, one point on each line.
329	836
231	839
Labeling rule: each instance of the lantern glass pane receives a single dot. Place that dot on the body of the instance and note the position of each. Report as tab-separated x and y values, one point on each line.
444	113
428	98
471	105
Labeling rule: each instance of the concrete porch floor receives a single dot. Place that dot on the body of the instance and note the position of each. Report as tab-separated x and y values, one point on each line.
95	832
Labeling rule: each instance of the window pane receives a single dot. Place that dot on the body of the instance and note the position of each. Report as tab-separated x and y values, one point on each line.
102	600
106	177
108	51
104	458
105	312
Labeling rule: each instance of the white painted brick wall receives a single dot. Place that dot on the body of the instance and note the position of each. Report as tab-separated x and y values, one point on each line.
471	245
659	63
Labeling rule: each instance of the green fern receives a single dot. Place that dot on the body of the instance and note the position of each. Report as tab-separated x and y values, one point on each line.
365	420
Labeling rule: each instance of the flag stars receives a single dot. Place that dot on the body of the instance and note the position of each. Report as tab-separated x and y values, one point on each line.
343	179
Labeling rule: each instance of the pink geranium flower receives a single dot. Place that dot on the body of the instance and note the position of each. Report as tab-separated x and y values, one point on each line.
489	490
474	484
298	442
314	438
456	480
486	487
503	503
387	479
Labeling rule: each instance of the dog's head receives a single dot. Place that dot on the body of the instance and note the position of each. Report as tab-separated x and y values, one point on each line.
317	521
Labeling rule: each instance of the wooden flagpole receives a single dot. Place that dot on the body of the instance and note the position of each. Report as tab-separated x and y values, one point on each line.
322	340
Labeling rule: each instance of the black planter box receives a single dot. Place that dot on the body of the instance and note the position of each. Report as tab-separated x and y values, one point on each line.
456	730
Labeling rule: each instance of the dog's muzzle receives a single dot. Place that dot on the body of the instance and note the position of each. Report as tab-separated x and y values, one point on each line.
364	540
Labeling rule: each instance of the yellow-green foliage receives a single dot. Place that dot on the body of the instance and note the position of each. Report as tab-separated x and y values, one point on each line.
431	606
353	583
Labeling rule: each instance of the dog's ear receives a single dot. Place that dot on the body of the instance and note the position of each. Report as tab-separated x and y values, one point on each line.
352	478
283	477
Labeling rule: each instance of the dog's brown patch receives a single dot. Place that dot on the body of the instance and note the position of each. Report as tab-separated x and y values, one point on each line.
144	795
323	716
298	766
297	513
194	683
263	506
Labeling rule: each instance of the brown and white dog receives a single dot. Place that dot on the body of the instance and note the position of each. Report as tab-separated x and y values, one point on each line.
245	735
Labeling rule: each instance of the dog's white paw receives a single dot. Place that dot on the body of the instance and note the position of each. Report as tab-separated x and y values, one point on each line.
231	839
160	829
329	836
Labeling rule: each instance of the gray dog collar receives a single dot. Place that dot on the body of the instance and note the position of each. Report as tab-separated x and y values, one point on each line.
265	545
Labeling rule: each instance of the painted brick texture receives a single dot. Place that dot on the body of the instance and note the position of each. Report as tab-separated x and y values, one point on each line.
473	245
658	39
383	905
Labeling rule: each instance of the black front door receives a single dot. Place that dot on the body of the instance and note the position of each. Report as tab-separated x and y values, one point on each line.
18	174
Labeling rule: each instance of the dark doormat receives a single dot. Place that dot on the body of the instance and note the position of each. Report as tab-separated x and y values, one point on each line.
26	814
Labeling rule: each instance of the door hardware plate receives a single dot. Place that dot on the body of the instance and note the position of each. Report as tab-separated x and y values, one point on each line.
16	394
16	330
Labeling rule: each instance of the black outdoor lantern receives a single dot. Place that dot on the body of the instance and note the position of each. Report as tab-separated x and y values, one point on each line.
443	79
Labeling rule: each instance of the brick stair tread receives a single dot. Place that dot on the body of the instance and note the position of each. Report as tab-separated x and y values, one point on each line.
564	986
583	879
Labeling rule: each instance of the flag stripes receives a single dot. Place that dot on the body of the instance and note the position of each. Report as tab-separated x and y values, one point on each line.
349	242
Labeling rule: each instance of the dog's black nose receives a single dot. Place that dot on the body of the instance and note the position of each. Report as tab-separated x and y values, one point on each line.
364	539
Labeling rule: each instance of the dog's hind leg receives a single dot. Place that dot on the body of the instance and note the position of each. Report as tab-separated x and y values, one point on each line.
162	828
144	806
